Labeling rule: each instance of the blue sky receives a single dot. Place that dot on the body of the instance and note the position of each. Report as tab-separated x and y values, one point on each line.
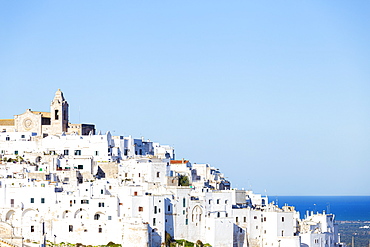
274	93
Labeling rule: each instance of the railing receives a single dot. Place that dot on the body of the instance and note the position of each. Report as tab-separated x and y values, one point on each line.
7	243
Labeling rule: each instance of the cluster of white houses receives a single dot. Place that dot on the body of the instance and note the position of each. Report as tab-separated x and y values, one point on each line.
63	182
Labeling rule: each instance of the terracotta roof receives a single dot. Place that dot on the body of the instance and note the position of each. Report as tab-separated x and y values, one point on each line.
179	161
44	114
6	122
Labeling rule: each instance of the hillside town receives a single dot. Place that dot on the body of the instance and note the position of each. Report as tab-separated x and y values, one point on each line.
67	183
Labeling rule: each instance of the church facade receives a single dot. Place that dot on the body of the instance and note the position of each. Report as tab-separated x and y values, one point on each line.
55	122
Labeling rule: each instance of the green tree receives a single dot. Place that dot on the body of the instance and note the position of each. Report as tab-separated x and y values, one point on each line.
184	180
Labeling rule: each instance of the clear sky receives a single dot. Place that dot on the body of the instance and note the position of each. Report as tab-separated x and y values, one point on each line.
276	94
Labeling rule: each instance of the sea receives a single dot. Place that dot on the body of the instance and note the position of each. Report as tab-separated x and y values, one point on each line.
345	208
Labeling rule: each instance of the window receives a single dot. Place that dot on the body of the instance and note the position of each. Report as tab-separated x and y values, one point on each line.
70	228
42	200
169	208
209	202
109	217
237	219
155	209
23	136
100	229
32	200
218	201
66	152
186	221
101	204
264	218
154	222
16	152
218	214
77	152
141	209
183	202
84	201
80	167
158	173
135	193
96	216
282	219
56	115
255	217
7	138
245	219
282	233
32	228
101	191
96	153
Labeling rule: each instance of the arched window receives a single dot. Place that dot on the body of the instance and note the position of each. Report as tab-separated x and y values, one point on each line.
96	216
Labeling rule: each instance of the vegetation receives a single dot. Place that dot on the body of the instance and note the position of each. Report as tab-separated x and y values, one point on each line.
199	243
356	229
168	239
184	180
185	243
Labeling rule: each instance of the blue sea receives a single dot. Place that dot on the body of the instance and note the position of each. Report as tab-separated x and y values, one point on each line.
345	208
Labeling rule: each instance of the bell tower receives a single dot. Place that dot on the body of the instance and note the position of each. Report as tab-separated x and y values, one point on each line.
59	114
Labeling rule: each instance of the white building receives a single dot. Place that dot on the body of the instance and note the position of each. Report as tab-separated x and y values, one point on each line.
62	182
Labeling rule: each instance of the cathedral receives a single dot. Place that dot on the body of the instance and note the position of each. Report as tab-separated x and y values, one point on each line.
55	122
